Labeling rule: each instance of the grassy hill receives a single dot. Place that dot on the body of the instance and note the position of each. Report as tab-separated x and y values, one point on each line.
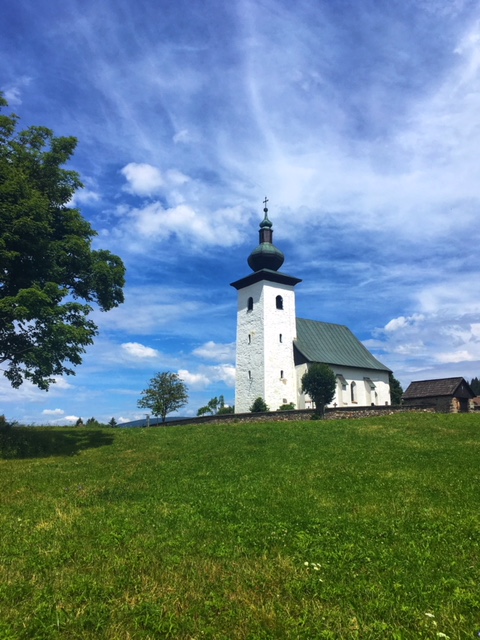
351	529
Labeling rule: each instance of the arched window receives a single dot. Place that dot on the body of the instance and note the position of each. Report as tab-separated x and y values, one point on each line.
281	374
281	338
353	392
249	375
250	304
249	339
279	302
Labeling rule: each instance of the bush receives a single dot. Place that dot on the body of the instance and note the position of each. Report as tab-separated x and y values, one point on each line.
287	407
259	406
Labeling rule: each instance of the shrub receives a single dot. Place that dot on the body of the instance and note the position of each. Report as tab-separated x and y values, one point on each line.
259	406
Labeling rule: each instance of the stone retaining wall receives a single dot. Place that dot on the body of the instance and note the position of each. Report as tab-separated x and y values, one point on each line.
284	416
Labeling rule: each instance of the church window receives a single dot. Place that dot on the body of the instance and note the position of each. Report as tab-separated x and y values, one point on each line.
249	375
281	338
250	304
353	392
281	374
249	339
279	302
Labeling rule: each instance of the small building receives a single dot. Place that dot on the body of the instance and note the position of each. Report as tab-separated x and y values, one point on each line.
447	395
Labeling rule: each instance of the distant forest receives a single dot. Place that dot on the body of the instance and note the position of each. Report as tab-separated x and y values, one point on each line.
475	384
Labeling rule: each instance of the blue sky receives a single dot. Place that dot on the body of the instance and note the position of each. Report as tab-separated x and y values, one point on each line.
359	120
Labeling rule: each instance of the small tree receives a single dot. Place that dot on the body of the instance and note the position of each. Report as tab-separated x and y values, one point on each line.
319	382
167	392
112	423
396	391
212	407
225	410
259	406
79	423
290	406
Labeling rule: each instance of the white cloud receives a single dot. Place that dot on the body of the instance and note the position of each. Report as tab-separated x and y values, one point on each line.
84	196
143	179
182	137
194	380
72	419
207	376
138	350
457	356
215	351
53	412
12	93
399	323
61	383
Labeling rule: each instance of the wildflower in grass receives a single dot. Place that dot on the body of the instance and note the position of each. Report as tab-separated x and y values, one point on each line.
430	615
442	635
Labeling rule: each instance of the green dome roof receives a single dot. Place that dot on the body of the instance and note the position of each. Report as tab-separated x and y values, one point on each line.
266	256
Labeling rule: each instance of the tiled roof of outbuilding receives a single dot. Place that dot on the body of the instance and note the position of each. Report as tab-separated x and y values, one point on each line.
433	388
333	344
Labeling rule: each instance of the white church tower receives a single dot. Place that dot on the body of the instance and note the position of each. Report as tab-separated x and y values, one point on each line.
266	328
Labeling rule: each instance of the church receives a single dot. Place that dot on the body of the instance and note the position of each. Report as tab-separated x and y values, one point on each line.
274	347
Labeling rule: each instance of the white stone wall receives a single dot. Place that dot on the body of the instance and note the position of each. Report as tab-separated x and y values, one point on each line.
265	335
364	395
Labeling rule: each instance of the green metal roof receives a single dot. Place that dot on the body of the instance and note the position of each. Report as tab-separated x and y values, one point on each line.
333	344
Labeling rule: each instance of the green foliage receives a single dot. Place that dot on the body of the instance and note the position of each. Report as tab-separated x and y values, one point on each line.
94	423
196	532
259	406
319	382
290	406
79	423
225	410
166	393
475	384
47	264
112	423
396	391
214	406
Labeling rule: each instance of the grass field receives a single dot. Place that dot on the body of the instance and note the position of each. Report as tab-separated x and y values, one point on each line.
343	529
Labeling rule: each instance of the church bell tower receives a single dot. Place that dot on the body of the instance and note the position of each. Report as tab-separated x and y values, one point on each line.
266	328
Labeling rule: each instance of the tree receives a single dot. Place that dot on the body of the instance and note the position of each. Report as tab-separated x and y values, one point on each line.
396	391
290	406
319	382
259	406
49	273
475	384
166	393
112	423
225	410
212	407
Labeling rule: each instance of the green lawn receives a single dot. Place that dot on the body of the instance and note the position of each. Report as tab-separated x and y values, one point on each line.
339	529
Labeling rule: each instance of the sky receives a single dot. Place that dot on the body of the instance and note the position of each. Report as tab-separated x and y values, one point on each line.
360	121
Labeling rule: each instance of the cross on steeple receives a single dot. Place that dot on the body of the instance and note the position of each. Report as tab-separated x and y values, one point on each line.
265	203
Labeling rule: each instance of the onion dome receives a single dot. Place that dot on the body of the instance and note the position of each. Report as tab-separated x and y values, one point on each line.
266	255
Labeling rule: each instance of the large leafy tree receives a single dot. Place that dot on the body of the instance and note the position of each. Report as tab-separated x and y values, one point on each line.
49	273
319	382
167	392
